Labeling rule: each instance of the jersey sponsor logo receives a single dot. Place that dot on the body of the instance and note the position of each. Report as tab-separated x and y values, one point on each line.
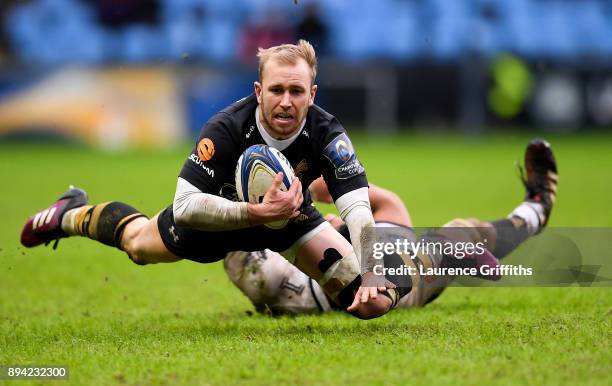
206	149
341	154
195	159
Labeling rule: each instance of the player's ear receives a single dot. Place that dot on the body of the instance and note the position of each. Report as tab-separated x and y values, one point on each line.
257	86
313	92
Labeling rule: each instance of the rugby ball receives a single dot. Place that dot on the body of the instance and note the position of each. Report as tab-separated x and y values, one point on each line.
255	172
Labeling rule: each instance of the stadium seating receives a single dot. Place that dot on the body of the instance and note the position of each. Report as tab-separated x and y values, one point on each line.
51	32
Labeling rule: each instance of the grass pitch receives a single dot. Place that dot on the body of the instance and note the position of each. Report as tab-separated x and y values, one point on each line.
112	322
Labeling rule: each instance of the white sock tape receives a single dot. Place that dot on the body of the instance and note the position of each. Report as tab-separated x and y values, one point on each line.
532	213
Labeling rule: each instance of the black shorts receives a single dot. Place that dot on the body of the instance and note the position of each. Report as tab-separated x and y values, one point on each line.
209	246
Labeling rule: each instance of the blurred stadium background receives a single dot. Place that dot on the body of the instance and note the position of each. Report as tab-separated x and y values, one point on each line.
148	73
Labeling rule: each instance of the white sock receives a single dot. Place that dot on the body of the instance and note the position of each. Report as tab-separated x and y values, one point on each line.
68	221
532	213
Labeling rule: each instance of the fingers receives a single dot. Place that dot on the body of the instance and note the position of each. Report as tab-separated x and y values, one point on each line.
284	204
356	301
300	196
363	295
296	191
296	186
388	285
373	292
276	183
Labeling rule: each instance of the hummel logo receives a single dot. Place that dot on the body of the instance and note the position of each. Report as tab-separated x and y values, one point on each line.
305	134
43	217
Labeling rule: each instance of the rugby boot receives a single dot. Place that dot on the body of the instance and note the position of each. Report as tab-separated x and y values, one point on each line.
540	177
46	225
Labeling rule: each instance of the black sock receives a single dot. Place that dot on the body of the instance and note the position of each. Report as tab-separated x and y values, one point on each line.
105	222
510	235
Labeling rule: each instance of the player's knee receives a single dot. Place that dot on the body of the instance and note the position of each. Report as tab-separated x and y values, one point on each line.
136	252
134	244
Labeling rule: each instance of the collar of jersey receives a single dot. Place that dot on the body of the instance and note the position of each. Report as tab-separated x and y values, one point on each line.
279	144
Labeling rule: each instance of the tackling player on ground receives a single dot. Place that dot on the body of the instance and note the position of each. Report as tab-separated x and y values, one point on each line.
275	286
205	222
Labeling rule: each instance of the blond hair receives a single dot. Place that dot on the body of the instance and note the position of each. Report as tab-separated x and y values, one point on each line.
289	54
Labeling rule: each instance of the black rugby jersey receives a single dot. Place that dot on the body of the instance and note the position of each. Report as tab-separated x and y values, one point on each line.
322	148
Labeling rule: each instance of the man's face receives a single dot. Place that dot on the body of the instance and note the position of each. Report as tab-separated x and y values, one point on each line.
284	95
